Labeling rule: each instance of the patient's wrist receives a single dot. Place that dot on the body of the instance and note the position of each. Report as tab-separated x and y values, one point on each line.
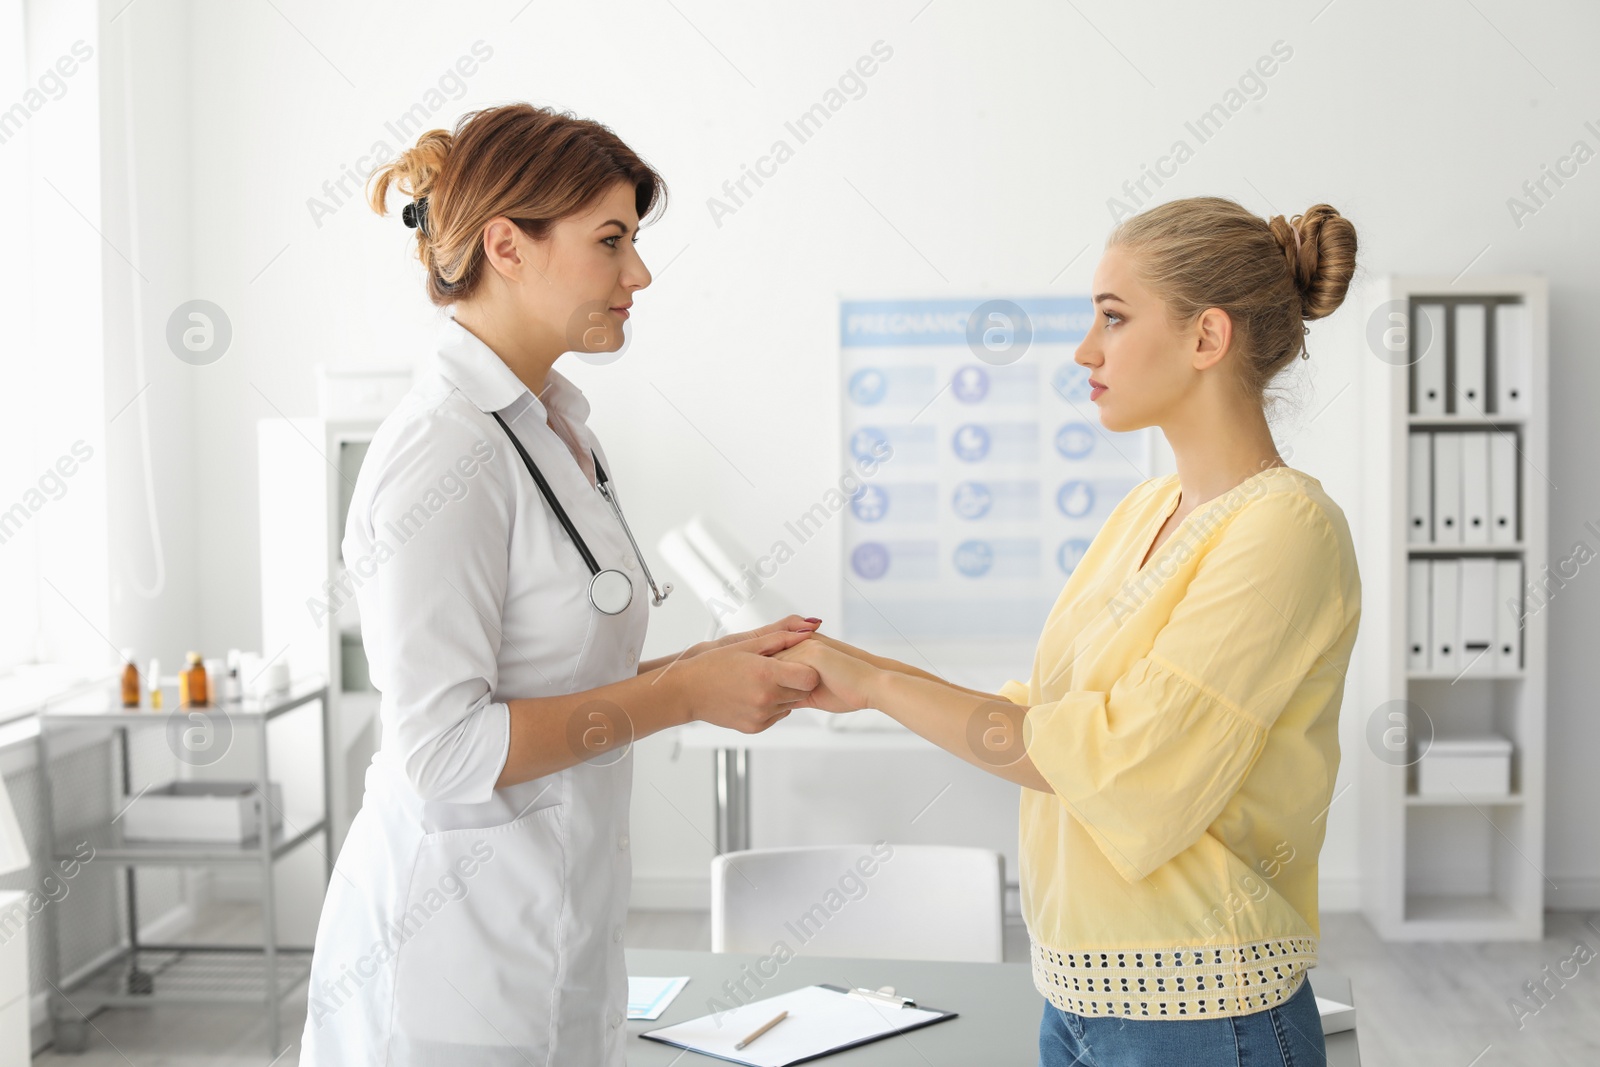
882	689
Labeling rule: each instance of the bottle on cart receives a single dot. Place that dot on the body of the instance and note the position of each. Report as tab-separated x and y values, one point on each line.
130	680
232	684
214	677
192	684
153	679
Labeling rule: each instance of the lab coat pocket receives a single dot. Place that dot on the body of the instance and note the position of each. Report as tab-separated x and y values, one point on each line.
482	938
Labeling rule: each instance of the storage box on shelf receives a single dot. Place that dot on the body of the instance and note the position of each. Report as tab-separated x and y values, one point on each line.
1454	548
228	812
1470	766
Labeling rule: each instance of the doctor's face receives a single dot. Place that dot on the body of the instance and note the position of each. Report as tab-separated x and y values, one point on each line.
1139	365
587	272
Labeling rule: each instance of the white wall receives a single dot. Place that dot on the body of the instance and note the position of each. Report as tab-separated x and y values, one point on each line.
153	438
981	157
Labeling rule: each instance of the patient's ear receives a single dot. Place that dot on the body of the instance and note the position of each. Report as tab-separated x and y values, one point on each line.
1213	337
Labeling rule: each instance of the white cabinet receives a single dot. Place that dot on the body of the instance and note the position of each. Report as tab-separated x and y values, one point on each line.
308	470
15	1032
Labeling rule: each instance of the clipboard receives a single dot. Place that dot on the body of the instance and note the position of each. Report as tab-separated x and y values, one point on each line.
822	1020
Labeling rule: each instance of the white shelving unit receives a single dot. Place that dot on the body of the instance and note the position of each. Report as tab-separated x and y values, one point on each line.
1452	866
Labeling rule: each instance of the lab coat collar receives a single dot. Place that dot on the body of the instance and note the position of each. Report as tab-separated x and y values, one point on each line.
472	366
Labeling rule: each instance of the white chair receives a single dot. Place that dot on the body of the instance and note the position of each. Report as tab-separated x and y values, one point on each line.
908	902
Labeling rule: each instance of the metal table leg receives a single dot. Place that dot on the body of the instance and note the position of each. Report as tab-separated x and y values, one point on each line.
733	799
327	790
52	957
139	981
269	911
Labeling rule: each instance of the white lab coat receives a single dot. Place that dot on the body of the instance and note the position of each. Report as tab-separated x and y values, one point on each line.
465	924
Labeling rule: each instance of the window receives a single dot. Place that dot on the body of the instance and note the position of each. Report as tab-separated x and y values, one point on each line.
54	602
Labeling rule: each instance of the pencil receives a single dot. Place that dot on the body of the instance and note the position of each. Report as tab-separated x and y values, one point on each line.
763	1028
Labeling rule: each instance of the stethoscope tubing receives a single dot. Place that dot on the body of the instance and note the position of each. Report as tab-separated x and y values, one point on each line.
656	596
550	498
595	571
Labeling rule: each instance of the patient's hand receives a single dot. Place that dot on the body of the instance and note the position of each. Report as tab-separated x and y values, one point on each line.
848	649
845	683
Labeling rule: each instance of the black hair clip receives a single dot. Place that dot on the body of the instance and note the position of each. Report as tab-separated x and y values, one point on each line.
415	215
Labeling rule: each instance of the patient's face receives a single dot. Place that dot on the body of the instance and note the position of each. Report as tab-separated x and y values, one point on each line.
1132	350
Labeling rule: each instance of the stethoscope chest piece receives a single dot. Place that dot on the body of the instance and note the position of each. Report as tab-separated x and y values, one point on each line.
611	591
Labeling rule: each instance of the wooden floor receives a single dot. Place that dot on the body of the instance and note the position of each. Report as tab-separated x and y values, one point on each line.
1418	1005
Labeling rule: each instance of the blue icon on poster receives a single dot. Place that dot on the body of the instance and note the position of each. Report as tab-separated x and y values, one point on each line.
970	384
868	386
868	443
971	442
1072	383
974	558
1075	499
870	560
870	503
1070	554
972	500
1075	440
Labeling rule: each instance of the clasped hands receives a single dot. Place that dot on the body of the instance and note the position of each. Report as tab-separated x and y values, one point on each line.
846	675
748	681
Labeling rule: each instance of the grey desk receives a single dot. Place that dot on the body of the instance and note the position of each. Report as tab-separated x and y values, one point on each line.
999	1008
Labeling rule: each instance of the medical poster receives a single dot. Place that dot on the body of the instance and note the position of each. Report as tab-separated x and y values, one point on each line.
989	470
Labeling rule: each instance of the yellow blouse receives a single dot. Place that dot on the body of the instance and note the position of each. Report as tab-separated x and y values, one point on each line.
1186	715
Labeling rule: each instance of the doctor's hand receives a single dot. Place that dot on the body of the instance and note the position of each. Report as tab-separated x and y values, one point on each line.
788	624
744	686
845	681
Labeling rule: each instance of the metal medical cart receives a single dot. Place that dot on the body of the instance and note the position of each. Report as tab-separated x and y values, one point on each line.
138	974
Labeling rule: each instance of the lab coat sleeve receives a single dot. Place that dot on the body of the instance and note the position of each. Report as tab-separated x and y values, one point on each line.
1147	767
445	519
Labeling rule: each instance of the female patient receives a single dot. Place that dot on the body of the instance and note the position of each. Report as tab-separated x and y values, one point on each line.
1177	740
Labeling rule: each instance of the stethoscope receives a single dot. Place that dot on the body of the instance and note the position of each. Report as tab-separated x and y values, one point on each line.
610	591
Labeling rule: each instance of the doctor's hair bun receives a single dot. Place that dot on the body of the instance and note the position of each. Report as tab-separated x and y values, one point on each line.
1210	252
414	172
530	164
1322	261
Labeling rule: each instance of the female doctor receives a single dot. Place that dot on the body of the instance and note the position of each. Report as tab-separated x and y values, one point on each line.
476	911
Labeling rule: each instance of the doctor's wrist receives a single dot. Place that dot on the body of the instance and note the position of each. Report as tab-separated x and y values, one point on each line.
667	692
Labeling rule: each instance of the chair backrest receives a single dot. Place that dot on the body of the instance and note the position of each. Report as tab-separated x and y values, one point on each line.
880	901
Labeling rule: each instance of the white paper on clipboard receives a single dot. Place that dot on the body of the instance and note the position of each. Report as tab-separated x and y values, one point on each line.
822	1019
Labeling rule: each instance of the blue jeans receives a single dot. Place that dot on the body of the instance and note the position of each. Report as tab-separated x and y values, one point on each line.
1288	1035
